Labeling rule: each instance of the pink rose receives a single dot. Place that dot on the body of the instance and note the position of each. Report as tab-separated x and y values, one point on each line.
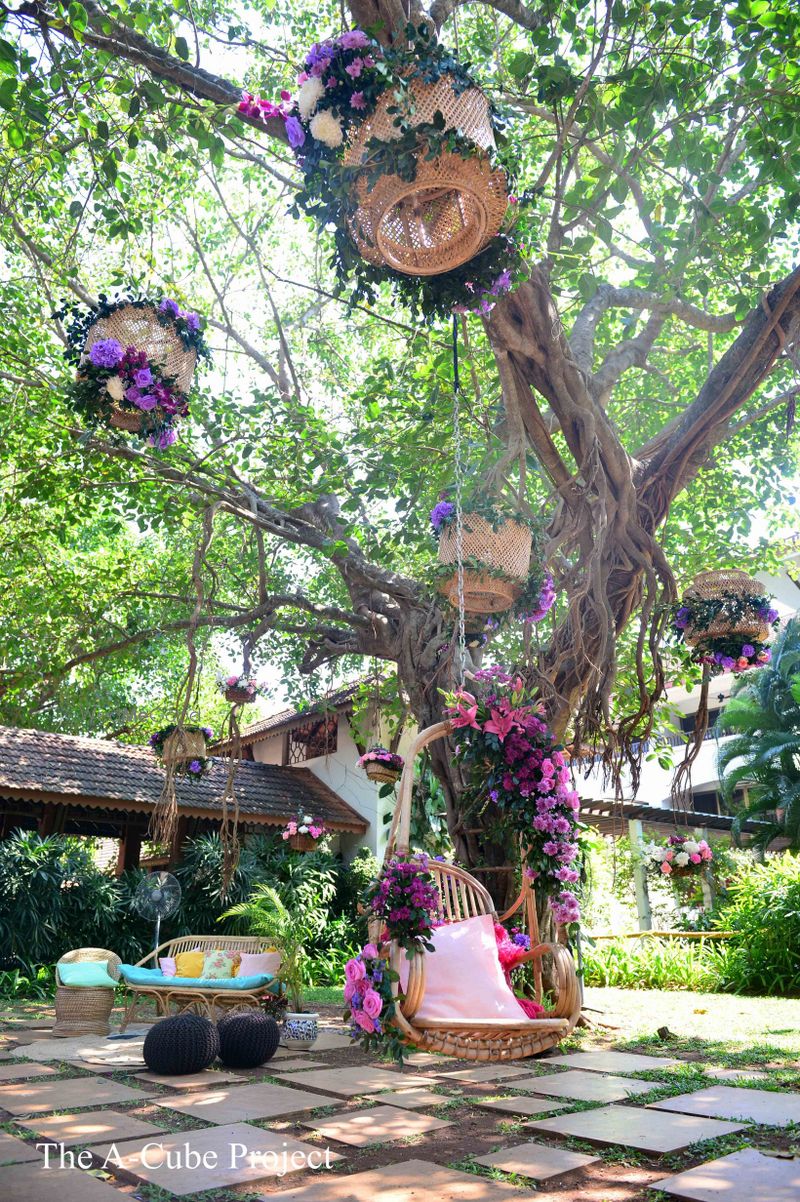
231	680
354	971
696	859
372	1004
369	951
364	1021
666	869
349	990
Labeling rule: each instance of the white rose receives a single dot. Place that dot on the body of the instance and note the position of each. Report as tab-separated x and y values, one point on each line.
681	859
691	847
115	388
308	819
325	128
308	96
302	830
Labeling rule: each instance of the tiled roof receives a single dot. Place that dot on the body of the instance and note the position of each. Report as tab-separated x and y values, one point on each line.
38	765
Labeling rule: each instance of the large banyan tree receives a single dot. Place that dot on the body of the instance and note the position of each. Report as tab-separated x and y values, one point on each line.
636	387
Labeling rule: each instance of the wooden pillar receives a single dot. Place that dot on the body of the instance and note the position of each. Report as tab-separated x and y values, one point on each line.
178	839
48	819
635	833
130	848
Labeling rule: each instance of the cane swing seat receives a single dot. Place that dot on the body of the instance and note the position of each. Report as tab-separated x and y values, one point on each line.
462	897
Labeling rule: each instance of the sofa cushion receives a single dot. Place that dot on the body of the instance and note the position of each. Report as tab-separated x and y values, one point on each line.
88	973
133	974
189	964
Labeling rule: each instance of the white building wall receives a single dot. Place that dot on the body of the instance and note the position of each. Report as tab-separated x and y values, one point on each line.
340	772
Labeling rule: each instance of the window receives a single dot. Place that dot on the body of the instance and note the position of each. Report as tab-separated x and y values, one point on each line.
318	737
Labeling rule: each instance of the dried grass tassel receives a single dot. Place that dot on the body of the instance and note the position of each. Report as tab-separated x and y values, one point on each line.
682	781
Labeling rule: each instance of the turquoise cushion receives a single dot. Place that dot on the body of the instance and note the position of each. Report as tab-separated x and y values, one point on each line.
135	975
90	973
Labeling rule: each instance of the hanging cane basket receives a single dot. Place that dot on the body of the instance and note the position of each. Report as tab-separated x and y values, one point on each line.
506	550
733	584
302	842
381	773
183	746
139	326
132	420
239	696
454	206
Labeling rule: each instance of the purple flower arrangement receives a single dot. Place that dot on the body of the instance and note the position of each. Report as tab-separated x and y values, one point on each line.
509	755
193	767
724	652
369	1000
442	515
114	379
382	755
407	900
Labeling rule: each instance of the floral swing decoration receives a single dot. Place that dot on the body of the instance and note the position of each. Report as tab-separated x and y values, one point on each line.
398	149
135	359
725	619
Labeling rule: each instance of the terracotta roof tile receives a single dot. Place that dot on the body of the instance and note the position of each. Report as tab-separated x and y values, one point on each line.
35	763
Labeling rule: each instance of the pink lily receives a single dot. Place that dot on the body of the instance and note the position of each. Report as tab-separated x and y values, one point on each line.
500	724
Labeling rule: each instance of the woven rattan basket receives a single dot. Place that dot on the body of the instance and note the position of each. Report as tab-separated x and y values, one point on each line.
453	208
507	550
139	326
302	842
132	420
84	1009
182	746
239	696
708	586
383	773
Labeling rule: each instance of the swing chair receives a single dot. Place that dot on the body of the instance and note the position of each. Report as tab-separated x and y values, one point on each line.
464	898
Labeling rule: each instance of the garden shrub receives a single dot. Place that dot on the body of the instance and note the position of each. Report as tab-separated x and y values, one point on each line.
764	910
653	964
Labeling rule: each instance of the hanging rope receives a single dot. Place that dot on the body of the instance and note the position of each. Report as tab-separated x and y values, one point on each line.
461	638
682	781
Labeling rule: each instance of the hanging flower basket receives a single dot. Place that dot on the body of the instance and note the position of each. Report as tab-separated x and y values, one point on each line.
303	833
455	204
183	749
726	619
680	856
238	690
135	362
496	563
381	765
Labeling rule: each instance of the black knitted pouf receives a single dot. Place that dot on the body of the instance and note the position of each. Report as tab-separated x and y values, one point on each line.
247	1039
185	1043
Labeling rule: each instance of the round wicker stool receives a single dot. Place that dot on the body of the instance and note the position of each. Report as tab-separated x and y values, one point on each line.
185	1043
247	1039
85	1009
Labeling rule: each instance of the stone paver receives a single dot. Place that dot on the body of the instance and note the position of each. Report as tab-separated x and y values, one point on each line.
727	1102
23	1072
412	1099
35	1183
294	1065
744	1176
634	1128
429	1060
536	1161
16	1151
205	1080
377	1125
584	1087
239	1103
90	1126
236	1154
410	1181
363	1078
614	1062
72	1093
737	1074
327	1041
522	1105
486	1073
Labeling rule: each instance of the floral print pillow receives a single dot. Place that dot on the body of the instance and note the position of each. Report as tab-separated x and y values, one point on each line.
219	965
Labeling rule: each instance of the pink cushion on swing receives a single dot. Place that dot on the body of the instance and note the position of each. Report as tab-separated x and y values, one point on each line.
463	977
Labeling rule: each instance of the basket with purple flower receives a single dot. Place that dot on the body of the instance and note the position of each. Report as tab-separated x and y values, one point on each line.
725	618
381	765
135	362
183	749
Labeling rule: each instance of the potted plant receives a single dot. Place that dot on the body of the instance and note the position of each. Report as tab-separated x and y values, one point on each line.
239	690
382	765
725	618
679	856
303	833
183	748
266	915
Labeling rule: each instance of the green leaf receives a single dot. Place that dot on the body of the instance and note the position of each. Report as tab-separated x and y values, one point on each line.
182	48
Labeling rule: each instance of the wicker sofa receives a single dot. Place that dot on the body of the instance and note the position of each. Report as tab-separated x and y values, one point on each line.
206	999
